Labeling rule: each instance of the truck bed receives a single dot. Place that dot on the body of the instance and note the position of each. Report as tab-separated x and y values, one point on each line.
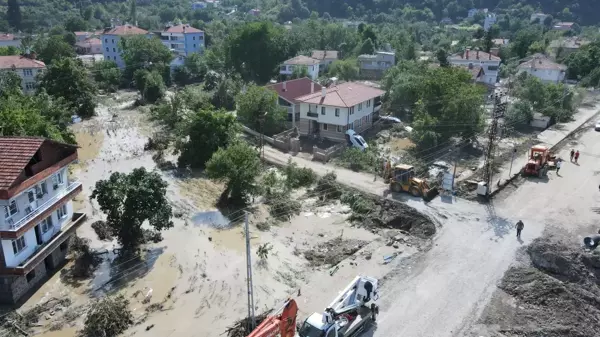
355	327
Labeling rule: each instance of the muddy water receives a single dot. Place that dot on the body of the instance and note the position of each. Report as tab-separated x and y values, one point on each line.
67	332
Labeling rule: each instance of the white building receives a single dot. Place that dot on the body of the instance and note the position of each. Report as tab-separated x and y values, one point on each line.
287	93
110	42
26	67
488	62
183	39
198	5
310	64
332	111
489	21
543	68
37	218
374	66
9	40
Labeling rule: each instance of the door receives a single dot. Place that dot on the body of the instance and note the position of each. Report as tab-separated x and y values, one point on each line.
38	234
32	197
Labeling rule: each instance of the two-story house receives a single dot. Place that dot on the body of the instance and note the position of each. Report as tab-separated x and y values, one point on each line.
36	211
544	68
374	66
334	110
27	67
326	57
183	39
289	91
490	63
310	64
111	37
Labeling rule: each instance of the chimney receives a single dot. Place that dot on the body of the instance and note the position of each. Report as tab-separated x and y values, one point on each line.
284	86
323	92
312	87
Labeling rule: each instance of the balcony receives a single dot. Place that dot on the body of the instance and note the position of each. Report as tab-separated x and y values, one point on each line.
42	251
312	114
16	229
377	107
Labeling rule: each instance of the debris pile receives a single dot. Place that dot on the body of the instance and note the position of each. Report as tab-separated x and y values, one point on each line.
102	230
241	328
390	214
558	295
20	324
333	251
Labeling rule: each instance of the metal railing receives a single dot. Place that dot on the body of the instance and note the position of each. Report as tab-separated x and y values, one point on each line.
44	207
312	114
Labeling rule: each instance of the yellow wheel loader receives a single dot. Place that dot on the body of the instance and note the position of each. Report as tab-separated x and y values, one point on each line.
402	179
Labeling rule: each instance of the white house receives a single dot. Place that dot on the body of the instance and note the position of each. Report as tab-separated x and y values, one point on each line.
334	110
110	42
488	62
310	64
543	68
183	39
489	21
9	40
37	218
26	67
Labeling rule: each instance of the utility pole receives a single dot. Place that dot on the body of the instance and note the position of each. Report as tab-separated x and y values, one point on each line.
511	161
252	322
497	112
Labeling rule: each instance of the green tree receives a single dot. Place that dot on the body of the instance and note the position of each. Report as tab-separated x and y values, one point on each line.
258	109
488	42
242	45
13	14
76	23
207	131
109	316
346	70
150	84
53	48
107	75
519	47
226	90
442	57
88	12
237	166
520	113
424	133
129	200
70	80
133	11
10	50
367	48
141	52
299	72
10	84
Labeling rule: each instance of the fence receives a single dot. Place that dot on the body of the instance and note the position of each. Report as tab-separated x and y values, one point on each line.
324	155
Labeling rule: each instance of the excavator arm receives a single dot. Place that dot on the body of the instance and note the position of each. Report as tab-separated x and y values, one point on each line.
280	324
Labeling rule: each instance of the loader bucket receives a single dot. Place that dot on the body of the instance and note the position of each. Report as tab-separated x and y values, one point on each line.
430	194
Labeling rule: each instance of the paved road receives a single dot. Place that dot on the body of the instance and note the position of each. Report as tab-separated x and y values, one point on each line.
446	290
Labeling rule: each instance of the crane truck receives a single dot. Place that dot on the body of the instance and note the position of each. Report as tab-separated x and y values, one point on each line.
348	314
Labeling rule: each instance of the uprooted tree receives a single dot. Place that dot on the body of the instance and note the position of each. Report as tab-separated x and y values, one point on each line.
107	317
129	200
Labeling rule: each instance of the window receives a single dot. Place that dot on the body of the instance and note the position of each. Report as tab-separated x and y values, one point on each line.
44	188
31	195
57	180
46	225
61	212
18	245
492	68
113	41
339	129
337	112
27	72
322	110
359	106
114	50
107	49
29	85
351	110
324	127
368	103
11	209
194	38
194	45
30	276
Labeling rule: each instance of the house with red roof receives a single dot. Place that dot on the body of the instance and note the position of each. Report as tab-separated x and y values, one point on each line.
27	67
110	41
37	218
330	112
183	39
489	63
542	67
287	93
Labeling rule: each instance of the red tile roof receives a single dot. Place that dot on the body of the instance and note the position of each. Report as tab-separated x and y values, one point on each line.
343	95
541	62
474	55
125	30
182	29
294	88
302	60
6	37
19	62
15	154
89	42
324	54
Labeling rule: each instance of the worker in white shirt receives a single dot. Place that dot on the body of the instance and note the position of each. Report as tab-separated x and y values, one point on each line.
558	165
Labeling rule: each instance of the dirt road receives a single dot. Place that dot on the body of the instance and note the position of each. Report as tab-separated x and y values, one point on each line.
444	292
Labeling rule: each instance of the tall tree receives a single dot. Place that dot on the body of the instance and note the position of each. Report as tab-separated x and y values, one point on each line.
133	12
207	131
442	57
258	109
13	14
69	79
139	52
367	47
53	48
488	42
346	70
129	200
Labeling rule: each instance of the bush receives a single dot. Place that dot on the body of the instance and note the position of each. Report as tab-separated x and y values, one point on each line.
108	317
299	176
358	160
328	187
358	203
282	207
102	230
85	260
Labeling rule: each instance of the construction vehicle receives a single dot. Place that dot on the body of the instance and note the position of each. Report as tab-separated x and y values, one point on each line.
402	179
281	324
540	161
348	314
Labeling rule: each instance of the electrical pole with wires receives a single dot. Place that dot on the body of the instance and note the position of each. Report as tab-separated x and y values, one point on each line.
251	321
497	113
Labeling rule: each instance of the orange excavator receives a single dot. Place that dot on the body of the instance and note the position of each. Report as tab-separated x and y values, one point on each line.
281	324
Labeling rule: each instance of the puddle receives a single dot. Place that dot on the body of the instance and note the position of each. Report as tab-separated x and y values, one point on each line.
214	219
233	239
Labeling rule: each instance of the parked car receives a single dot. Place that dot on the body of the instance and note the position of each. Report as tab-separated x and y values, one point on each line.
390	120
597	126
356	140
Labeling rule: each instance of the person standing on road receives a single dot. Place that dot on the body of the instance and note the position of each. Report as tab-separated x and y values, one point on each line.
520	226
558	165
572	154
576	156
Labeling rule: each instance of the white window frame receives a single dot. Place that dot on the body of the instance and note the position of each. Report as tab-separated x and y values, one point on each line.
368	103
18	242
359	106
46	225
351	109
61	212
29	85
57	180
323	110
8	212
27	72
337	112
